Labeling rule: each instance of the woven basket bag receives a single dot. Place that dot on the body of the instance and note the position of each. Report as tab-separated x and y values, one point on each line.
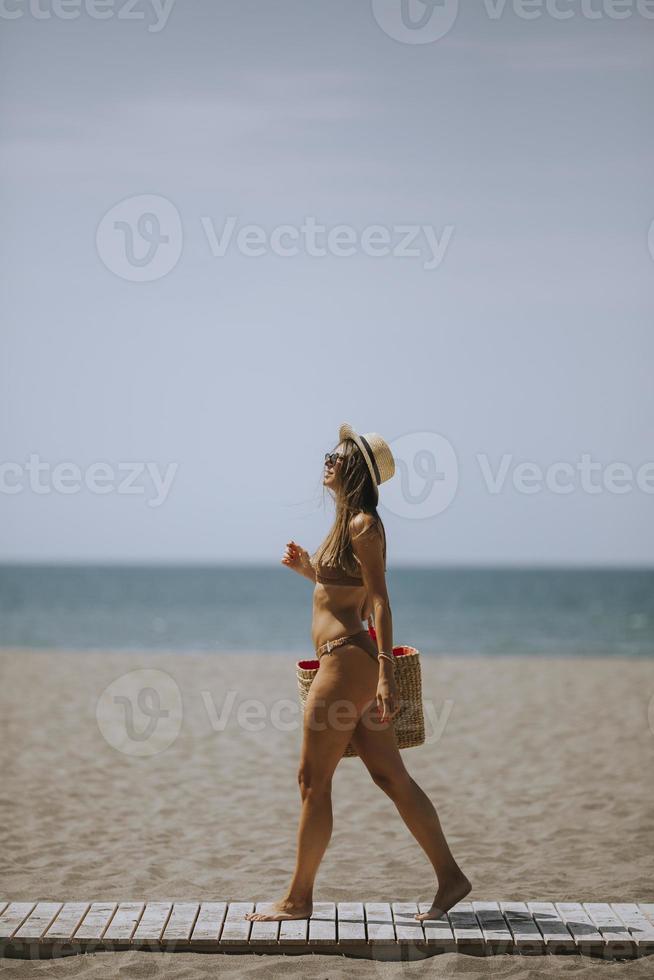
409	723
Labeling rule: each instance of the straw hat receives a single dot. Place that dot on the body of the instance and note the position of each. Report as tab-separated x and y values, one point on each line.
375	451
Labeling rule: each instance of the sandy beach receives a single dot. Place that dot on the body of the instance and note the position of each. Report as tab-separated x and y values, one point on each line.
540	769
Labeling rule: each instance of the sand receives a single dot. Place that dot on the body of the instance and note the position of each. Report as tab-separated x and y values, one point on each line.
540	770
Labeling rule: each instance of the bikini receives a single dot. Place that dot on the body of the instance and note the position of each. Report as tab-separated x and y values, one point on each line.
330	575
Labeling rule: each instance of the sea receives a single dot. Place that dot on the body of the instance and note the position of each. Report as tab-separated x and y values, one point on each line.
486	611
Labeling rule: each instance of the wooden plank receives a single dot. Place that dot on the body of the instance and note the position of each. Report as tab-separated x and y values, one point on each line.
152	923
180	924
262	931
620	929
438	932
13	917
557	936
38	921
124	922
209	923
495	930
586	936
96	920
351	923
67	921
322	924
379	923
465	927
617	938
236	928
527	937
647	909
408	929
640	927
294	931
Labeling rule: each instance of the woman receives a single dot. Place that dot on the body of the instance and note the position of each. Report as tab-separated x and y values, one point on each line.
357	672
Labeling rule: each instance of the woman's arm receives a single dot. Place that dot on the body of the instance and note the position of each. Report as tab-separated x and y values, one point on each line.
368	548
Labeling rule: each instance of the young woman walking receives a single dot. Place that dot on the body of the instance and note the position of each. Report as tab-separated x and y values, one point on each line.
356	671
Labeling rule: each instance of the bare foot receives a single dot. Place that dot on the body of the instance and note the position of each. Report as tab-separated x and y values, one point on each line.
448	894
282	910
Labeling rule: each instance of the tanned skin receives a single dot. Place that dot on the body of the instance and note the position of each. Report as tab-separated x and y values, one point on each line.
369	690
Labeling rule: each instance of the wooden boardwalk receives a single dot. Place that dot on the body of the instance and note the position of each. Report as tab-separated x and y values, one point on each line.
372	929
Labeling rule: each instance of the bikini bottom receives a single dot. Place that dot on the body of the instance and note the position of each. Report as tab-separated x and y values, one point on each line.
361	639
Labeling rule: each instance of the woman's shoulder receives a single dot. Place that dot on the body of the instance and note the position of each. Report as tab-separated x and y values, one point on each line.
361	523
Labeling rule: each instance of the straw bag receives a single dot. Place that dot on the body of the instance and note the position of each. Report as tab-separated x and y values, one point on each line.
409	723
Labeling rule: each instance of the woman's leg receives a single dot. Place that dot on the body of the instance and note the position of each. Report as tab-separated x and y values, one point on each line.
344	685
377	748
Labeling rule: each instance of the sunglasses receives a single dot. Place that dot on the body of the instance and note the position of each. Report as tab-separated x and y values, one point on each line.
333	458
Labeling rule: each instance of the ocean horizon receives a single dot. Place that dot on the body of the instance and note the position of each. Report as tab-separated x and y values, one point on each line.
264	607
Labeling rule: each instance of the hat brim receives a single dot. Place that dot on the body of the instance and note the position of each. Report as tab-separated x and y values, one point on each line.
345	431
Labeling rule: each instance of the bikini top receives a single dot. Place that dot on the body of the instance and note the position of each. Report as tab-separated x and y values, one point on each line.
333	575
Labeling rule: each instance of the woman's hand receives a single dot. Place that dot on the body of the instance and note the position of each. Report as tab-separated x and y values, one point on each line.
296	557
388	700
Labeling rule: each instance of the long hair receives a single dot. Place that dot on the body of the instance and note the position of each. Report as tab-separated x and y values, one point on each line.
356	493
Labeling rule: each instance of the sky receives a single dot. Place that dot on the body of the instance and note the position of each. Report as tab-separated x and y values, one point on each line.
230	227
